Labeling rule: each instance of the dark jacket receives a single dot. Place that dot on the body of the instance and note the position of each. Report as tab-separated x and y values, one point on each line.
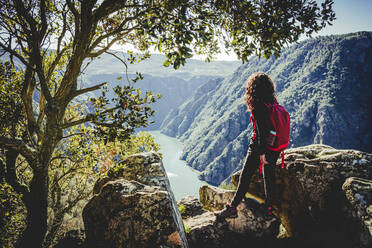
262	129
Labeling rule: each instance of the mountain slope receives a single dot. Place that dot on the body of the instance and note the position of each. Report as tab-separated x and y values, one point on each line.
175	86
153	66
324	83
174	91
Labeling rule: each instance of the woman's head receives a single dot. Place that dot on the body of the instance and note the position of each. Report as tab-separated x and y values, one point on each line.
260	88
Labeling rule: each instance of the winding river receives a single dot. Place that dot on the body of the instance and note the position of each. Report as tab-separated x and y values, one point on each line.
183	179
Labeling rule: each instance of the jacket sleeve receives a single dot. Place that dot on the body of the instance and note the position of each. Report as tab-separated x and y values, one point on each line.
262	127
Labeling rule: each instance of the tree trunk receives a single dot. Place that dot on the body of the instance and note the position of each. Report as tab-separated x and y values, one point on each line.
37	206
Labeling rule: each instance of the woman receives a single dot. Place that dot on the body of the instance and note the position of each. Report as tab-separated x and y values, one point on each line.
260	92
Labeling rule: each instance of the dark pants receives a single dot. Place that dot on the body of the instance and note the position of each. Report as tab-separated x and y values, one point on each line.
251	164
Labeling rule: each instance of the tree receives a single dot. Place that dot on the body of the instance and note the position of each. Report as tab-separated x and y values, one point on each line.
82	30
79	161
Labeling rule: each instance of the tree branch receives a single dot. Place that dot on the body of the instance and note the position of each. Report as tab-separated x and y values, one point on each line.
74	11
21	11
107	47
55	63
41	116
90	118
40	73
64	29
11	175
122	61
28	87
110	6
117	30
77	122
82	91
18	145
44	23
14	53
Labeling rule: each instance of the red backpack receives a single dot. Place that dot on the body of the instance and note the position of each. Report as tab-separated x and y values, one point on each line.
278	138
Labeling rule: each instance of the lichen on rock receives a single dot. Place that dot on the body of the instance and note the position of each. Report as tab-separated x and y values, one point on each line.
134	207
359	209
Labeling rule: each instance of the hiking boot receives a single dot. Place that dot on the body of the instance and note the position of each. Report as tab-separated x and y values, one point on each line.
228	212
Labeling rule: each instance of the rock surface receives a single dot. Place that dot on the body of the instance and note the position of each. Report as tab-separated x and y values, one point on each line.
311	189
359	195
249	221
134	207
323	199
204	230
190	206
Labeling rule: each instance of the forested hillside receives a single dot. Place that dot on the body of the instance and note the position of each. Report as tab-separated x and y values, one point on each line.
324	83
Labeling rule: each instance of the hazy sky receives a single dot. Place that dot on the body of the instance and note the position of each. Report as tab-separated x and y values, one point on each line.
351	16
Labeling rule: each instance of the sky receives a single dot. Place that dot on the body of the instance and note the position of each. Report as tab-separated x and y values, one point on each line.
351	16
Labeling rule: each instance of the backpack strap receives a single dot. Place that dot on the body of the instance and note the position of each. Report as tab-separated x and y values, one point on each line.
254	125
261	169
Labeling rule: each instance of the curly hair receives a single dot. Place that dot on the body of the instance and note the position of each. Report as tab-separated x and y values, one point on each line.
260	89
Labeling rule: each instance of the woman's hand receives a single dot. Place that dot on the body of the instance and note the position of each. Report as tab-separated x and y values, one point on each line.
263	159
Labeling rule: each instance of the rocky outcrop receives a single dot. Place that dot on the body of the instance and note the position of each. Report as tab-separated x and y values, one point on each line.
322	82
310	190
359	209
190	206
134	207
250	221
213	198
321	200
204	230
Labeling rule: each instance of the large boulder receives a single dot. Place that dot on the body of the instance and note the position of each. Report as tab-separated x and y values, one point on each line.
204	230
359	209
190	206
134	207
311	187
250	221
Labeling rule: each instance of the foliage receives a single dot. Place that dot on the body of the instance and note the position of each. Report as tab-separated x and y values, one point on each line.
75	167
71	171
11	109
12	215
74	170
80	31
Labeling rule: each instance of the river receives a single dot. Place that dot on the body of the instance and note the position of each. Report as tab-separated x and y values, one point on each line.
183	179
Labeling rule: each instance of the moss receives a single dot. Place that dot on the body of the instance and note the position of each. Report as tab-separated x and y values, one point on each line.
182	209
186	227
227	186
